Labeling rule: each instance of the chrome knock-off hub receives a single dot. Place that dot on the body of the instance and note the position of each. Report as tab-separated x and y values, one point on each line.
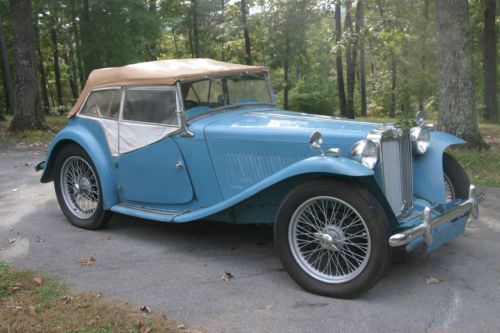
331	238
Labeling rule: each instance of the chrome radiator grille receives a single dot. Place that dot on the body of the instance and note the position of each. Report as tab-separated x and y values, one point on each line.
397	172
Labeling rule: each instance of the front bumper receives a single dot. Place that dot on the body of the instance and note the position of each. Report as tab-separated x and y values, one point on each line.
430	224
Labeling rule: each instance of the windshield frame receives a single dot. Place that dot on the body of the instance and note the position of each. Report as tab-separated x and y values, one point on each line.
265	75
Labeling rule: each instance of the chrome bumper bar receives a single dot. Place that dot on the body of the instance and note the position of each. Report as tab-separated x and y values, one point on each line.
469	206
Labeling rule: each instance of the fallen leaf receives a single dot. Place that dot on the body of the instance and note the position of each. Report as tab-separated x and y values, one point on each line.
145	309
181	326
92	322
432	280
39	239
87	261
38	280
12	241
107	238
32	309
67	299
269	306
143	328
15	307
227	276
15	288
15	190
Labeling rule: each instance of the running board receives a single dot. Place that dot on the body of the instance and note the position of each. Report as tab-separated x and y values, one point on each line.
147	213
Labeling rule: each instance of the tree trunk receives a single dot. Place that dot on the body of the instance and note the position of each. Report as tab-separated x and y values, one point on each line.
86	40
27	113
196	33
457	111
174	35
43	74
423	58
68	59
7	83
286	68
78	52
350	61
246	34
490	62
360	22
55	53
338	59
223	23
392	110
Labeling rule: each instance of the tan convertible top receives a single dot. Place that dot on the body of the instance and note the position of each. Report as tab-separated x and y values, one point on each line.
164	72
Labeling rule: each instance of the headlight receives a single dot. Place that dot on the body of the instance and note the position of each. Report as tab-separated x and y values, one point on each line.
420	137
366	152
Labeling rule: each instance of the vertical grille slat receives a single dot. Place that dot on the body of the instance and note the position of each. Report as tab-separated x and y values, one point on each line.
397	171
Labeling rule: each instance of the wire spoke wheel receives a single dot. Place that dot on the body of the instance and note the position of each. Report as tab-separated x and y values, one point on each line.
329	240
79	187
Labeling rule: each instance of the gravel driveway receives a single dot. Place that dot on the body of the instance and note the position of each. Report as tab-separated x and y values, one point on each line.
177	269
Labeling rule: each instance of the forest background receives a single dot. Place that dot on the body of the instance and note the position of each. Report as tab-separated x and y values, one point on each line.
365	58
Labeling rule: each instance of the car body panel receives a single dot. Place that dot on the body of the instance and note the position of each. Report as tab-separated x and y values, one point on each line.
162	176
89	134
428	168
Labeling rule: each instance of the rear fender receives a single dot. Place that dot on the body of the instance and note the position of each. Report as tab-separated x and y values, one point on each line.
91	138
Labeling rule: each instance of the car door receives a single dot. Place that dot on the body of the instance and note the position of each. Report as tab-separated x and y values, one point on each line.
150	166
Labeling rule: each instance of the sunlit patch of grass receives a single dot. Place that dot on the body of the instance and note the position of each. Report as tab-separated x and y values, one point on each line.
29	303
55	124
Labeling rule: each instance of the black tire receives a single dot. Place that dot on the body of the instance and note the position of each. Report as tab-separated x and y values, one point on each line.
100	216
375	221
456	177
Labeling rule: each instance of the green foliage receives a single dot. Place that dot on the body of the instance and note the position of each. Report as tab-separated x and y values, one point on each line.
299	32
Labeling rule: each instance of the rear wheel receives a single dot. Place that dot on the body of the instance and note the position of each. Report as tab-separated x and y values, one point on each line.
332	238
456	182
78	189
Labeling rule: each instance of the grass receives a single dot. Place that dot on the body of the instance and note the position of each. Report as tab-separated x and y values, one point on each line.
55	123
30	303
481	166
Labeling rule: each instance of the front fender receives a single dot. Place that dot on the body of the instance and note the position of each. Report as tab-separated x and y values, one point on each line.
338	166
90	137
428	168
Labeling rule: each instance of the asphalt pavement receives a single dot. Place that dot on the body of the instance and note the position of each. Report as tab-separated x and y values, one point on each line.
176	270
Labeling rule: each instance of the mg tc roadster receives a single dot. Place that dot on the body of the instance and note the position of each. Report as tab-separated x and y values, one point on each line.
198	139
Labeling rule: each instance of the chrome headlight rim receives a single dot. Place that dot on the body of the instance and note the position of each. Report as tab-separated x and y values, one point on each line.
420	139
365	152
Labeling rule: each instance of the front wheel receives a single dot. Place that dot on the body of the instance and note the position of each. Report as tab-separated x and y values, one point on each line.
456	182
78	189
332	238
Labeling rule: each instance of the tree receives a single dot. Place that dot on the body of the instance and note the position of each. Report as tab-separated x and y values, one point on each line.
457	111
27	111
350	55
7	85
360	22
490	61
246	34
338	59
196	29
55	55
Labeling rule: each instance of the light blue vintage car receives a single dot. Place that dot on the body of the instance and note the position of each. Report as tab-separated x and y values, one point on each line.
183	140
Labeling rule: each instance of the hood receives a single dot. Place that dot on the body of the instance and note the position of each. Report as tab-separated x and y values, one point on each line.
288	127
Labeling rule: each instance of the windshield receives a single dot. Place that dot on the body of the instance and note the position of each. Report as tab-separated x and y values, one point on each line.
203	95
